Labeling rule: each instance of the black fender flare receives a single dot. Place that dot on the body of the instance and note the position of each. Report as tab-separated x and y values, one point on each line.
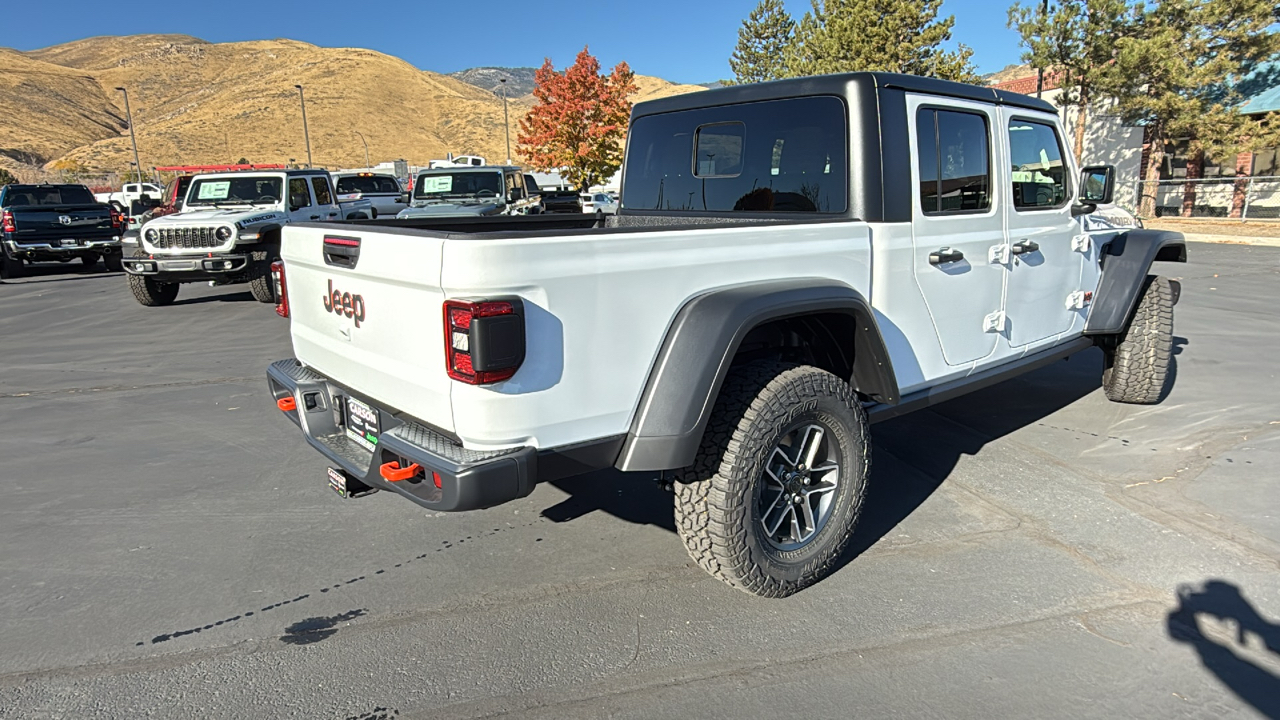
700	345
269	230
1126	260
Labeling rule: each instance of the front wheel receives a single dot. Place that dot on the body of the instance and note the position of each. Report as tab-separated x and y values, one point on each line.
1138	368
772	499
151	292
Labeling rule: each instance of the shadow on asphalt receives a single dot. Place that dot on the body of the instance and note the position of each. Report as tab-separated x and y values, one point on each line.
244	296
1223	601
911	455
60	272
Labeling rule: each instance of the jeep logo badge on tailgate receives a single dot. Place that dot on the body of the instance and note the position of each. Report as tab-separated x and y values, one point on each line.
342	303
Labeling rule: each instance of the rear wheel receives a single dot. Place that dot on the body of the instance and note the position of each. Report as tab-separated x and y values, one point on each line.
772	499
1138	367
11	268
151	292
114	262
90	259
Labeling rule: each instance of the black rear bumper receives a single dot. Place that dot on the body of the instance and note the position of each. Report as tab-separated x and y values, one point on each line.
468	479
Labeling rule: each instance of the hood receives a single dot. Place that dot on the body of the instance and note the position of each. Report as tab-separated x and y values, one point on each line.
449	209
241	217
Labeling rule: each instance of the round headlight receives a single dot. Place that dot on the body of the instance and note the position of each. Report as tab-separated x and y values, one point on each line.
223	233
152	235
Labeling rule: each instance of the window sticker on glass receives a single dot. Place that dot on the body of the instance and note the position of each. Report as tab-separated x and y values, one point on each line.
214	190
437	183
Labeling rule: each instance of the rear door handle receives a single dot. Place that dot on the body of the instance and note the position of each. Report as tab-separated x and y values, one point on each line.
945	255
1025	246
315	217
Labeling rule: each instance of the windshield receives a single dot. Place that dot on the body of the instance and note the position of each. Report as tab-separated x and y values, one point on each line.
367	184
457	185
234	190
48	195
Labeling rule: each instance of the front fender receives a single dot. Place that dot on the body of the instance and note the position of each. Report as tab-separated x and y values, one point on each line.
1126	261
700	346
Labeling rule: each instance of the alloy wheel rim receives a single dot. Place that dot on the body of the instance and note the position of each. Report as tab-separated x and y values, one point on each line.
800	476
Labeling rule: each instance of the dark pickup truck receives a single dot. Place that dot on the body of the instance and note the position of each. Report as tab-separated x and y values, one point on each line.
554	201
56	222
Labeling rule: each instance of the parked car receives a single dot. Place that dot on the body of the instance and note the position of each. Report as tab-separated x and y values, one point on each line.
470	192
555	201
56	222
228	231
791	262
599	204
129	193
383	191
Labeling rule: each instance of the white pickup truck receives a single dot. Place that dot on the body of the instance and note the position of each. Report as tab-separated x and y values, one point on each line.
130	193
228	231
791	262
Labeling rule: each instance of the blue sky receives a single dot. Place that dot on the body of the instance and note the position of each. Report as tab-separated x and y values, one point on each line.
680	40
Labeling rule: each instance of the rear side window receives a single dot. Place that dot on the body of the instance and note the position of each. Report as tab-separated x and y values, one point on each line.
1039	175
323	196
954	161
778	156
299	197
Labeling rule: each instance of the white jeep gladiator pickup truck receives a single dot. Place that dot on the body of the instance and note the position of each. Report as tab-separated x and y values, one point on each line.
791	262
228	231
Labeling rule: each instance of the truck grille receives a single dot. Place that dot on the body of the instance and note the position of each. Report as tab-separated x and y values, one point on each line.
191	238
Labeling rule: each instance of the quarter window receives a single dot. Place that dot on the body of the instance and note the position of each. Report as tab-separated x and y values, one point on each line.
321	184
954	160
1039	174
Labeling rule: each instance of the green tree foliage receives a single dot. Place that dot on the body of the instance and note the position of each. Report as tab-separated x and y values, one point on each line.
1176	73
763	42
1075	42
903	36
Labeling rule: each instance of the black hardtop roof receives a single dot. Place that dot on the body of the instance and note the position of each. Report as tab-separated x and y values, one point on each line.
838	84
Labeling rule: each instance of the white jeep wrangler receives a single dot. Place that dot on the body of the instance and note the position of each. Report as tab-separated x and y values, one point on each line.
792	261
228	231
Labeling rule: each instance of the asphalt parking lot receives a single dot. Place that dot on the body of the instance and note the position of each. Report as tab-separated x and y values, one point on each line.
169	548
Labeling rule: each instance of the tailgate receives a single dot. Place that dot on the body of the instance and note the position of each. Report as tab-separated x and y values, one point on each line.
384	338
45	221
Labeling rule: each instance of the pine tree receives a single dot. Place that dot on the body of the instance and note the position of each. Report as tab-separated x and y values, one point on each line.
580	120
1076	42
763	42
902	36
1176	74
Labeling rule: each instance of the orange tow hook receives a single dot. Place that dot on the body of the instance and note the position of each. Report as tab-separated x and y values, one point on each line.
287	404
392	472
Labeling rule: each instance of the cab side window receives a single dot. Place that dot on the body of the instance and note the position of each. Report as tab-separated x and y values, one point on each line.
954	159
1039	173
299	196
323	196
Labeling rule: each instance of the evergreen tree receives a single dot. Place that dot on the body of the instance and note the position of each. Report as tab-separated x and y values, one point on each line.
1075	42
1176	75
763	41
902	36
6	177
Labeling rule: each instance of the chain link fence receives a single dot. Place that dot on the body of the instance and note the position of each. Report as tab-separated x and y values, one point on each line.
1233	198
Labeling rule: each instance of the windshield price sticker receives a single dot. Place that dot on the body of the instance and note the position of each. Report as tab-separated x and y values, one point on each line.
437	183
214	190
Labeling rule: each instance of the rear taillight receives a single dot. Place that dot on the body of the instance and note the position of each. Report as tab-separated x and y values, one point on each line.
483	340
7	223
277	280
117	220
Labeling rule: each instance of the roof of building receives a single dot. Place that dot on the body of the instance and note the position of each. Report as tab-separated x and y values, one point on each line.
1261	89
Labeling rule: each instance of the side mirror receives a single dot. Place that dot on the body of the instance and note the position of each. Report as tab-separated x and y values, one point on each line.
403	199
517	193
1098	184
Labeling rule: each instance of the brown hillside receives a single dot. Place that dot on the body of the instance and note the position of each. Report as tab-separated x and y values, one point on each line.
58	109
196	102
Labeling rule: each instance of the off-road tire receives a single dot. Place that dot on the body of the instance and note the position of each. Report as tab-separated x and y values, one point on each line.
11	268
114	262
151	292
1138	368
264	291
716	498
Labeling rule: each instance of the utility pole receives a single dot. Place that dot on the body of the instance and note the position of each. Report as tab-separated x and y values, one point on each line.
366	147
506	123
134	138
305	132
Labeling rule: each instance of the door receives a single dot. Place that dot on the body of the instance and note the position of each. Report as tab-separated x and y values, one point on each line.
1044	267
957	222
325	204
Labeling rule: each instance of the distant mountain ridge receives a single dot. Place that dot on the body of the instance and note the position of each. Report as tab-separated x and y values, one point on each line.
520	81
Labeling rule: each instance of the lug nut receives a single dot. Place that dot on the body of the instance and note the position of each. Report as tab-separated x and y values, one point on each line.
805	481
797	499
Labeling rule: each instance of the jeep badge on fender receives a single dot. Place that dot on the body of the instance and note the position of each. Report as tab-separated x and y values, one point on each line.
344	303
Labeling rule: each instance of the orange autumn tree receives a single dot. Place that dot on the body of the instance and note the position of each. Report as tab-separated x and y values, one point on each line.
579	122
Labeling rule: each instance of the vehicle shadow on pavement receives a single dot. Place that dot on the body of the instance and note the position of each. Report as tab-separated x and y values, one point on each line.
236	297
1228	660
60	272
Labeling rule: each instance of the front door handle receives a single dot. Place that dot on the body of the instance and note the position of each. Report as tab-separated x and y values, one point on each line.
1026	246
945	255
315	217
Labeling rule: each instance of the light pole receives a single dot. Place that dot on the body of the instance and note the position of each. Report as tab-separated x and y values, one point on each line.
506	123
305	132
366	147
134	138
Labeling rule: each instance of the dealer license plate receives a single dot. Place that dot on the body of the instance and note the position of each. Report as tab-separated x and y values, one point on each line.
338	482
362	424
